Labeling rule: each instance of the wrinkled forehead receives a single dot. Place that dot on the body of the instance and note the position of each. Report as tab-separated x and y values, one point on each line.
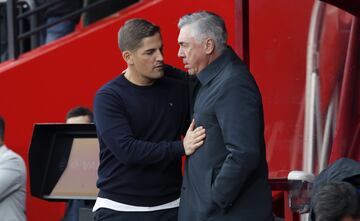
186	33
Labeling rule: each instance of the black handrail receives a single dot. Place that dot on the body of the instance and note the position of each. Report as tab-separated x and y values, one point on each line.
37	9
12	22
66	17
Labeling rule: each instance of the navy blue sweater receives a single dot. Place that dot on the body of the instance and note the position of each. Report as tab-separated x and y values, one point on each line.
139	130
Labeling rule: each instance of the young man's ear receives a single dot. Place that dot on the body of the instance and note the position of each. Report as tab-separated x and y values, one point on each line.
127	57
209	46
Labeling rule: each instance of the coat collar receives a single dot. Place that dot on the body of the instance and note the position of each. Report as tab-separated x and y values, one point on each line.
215	67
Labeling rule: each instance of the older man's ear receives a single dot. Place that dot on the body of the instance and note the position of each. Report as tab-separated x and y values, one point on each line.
209	46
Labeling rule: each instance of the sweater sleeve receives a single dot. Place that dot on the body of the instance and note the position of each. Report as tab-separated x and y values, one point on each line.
113	128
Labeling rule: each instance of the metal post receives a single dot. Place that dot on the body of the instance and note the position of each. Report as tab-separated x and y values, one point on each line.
312	79
12	25
33	20
242	41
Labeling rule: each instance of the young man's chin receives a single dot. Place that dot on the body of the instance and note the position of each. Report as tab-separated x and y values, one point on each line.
158	74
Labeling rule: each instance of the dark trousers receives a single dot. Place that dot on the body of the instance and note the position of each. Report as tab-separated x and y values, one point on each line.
160	215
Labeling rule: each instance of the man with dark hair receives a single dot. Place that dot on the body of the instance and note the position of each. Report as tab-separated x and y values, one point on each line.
342	170
78	115
139	117
12	182
226	179
337	202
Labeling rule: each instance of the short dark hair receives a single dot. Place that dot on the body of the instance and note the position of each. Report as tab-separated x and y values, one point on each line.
2	128
335	201
80	111
133	32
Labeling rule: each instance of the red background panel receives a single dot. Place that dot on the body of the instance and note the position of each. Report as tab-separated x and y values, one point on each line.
278	42
42	85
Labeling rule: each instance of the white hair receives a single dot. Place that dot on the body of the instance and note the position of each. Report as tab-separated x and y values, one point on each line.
206	24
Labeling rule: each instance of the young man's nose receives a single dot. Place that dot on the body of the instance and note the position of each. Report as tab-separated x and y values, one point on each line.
159	56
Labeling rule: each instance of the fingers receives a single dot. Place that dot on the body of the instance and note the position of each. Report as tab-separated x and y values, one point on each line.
199	138
194	138
198	141
197	145
197	135
192	125
198	131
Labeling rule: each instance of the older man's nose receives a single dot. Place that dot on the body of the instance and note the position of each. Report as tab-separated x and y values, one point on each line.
180	53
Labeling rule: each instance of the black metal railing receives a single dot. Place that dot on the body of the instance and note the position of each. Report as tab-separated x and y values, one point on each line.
15	17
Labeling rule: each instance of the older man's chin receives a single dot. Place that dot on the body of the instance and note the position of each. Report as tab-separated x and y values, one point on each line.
191	72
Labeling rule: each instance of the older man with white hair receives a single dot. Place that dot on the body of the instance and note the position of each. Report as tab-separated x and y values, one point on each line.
226	179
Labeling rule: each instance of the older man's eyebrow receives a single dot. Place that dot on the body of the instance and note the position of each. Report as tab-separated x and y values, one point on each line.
182	43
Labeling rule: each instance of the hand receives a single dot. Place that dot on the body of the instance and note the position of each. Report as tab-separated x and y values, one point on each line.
194	138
